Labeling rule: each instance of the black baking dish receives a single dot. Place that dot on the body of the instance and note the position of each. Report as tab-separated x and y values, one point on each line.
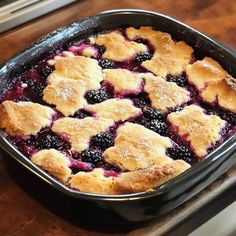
145	205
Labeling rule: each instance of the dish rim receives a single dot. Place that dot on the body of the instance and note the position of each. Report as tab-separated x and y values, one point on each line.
226	146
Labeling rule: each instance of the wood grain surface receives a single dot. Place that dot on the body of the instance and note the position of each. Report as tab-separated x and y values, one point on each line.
29	207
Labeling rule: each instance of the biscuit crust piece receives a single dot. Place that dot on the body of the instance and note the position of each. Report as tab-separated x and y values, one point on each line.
79	131
115	109
127	182
117	47
54	162
92	182
78	68
24	118
137	147
66	94
147	179
124	81
201	130
165	94
212	81
170	57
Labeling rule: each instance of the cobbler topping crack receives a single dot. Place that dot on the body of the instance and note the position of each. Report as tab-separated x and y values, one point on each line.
121	111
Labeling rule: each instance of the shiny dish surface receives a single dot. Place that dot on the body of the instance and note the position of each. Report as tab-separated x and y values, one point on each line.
118	109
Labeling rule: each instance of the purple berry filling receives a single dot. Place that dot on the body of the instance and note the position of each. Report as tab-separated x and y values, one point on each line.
80	114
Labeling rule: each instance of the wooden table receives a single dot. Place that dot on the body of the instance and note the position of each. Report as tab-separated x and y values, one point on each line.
27	206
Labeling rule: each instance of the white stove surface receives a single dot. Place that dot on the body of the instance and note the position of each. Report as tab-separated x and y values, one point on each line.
223	224
16	12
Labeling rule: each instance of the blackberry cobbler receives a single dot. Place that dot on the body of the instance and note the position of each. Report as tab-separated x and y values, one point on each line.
119	112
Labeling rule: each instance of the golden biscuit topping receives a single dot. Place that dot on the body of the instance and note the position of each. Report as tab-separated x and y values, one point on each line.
230	81
170	57
165	94
79	131
117	47
147	179
205	71
78	68
66	94
137	147
115	109
128	182
212	82
201	130
54	162
24	118
220	92
124	81
93	182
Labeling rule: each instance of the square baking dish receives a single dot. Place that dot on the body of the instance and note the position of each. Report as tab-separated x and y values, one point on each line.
141	206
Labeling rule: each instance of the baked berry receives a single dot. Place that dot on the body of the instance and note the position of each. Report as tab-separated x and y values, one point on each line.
179	80
50	140
140	40
92	156
38	88
152	114
81	114
103	140
46	71
77	164
101	49
212	112
156	126
29	81
180	152
10	85
142	56
230	117
22	99
96	96
110	173
141	101
177	109
106	64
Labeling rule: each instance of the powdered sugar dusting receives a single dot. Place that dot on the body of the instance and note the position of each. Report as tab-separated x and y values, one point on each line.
65	92
210	68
